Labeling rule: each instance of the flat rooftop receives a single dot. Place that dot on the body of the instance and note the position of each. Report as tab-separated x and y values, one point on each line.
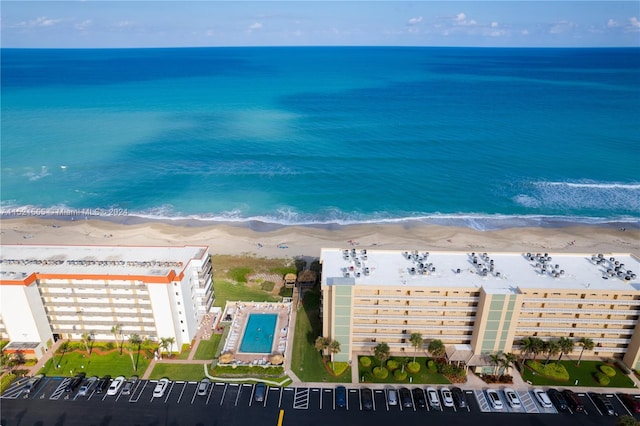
495	272
20	261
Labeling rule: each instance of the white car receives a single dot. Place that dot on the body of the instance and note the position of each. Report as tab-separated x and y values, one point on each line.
494	399
161	386
432	398
447	398
543	398
512	398
115	385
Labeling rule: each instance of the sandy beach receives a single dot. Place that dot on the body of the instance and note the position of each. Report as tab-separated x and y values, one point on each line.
294	241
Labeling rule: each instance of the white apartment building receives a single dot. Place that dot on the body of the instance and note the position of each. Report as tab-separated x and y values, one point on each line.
61	292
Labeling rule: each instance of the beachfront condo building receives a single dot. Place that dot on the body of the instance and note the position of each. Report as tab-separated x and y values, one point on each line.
62	292
482	302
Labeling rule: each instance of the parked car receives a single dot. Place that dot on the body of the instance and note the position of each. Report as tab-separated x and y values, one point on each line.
75	382
458	397
116	385
103	384
631	402
574	403
432	398
203	386
494	399
603	404
161	387
405	398
32	383
366	399
558	399
341	397
543	398
87	386
392	396
260	391
418	398
129	384
447	397
512	398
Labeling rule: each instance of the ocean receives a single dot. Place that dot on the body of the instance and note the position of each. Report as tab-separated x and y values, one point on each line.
480	137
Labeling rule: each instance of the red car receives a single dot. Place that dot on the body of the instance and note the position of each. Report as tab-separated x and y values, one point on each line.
631	402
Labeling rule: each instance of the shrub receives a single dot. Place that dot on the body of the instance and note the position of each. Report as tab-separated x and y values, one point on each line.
551	370
609	371
602	379
109	345
365	361
392	364
367	377
380	372
431	366
267	285
239	274
285	292
6	381
400	375
413	367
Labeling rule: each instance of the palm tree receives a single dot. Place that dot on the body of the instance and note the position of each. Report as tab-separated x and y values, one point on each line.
436	348
334	347
86	339
587	344
164	344
416	341
117	331
321	344
495	361
537	347
527	346
552	348
381	352
171	341
566	346
134	341
506	362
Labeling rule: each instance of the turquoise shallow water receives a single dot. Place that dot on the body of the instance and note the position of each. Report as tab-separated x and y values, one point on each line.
479	137
258	334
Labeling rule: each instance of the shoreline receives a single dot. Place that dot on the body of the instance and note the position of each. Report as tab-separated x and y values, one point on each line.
289	241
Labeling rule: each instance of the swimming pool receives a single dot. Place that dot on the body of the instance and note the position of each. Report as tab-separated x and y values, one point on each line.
258	334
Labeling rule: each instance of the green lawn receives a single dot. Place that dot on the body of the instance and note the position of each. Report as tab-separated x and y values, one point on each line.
111	363
421	377
306	361
228	290
192	372
207	348
583	373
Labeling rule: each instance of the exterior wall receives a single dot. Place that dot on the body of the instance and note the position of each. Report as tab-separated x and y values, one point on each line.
342	321
14	302
165	313
497	321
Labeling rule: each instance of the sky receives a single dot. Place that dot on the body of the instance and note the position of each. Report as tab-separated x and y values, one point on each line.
99	24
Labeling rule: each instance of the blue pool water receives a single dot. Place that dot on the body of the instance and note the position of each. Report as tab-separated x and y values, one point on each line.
258	334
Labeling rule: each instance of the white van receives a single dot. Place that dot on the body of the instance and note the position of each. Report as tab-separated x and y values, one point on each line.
392	396
494	399
542	398
432	397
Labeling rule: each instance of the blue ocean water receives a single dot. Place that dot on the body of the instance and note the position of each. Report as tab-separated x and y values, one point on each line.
480	137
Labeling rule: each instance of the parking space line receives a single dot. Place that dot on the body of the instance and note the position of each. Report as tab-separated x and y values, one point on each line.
235	404
169	392
224	392
181	391
624	405
324	390
211	386
280	399
133	397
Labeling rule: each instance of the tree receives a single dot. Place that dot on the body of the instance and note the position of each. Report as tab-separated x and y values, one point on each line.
134	341
334	347
436	348
164	344
587	344
117	334
417	342
527	346
5	360
381	352
506	363
552	348
566	346
537	347
86	339
171	341
627	421
321	344
495	361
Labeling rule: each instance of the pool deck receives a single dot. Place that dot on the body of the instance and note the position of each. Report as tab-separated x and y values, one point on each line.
239	312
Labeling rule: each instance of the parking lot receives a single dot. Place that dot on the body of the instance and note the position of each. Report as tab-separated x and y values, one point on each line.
240	398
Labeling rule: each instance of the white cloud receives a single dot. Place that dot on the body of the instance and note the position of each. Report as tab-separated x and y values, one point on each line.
494	24
461	20
562	27
461	17
415	21
634	24
84	25
524	32
255	26
612	23
41	21
125	24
